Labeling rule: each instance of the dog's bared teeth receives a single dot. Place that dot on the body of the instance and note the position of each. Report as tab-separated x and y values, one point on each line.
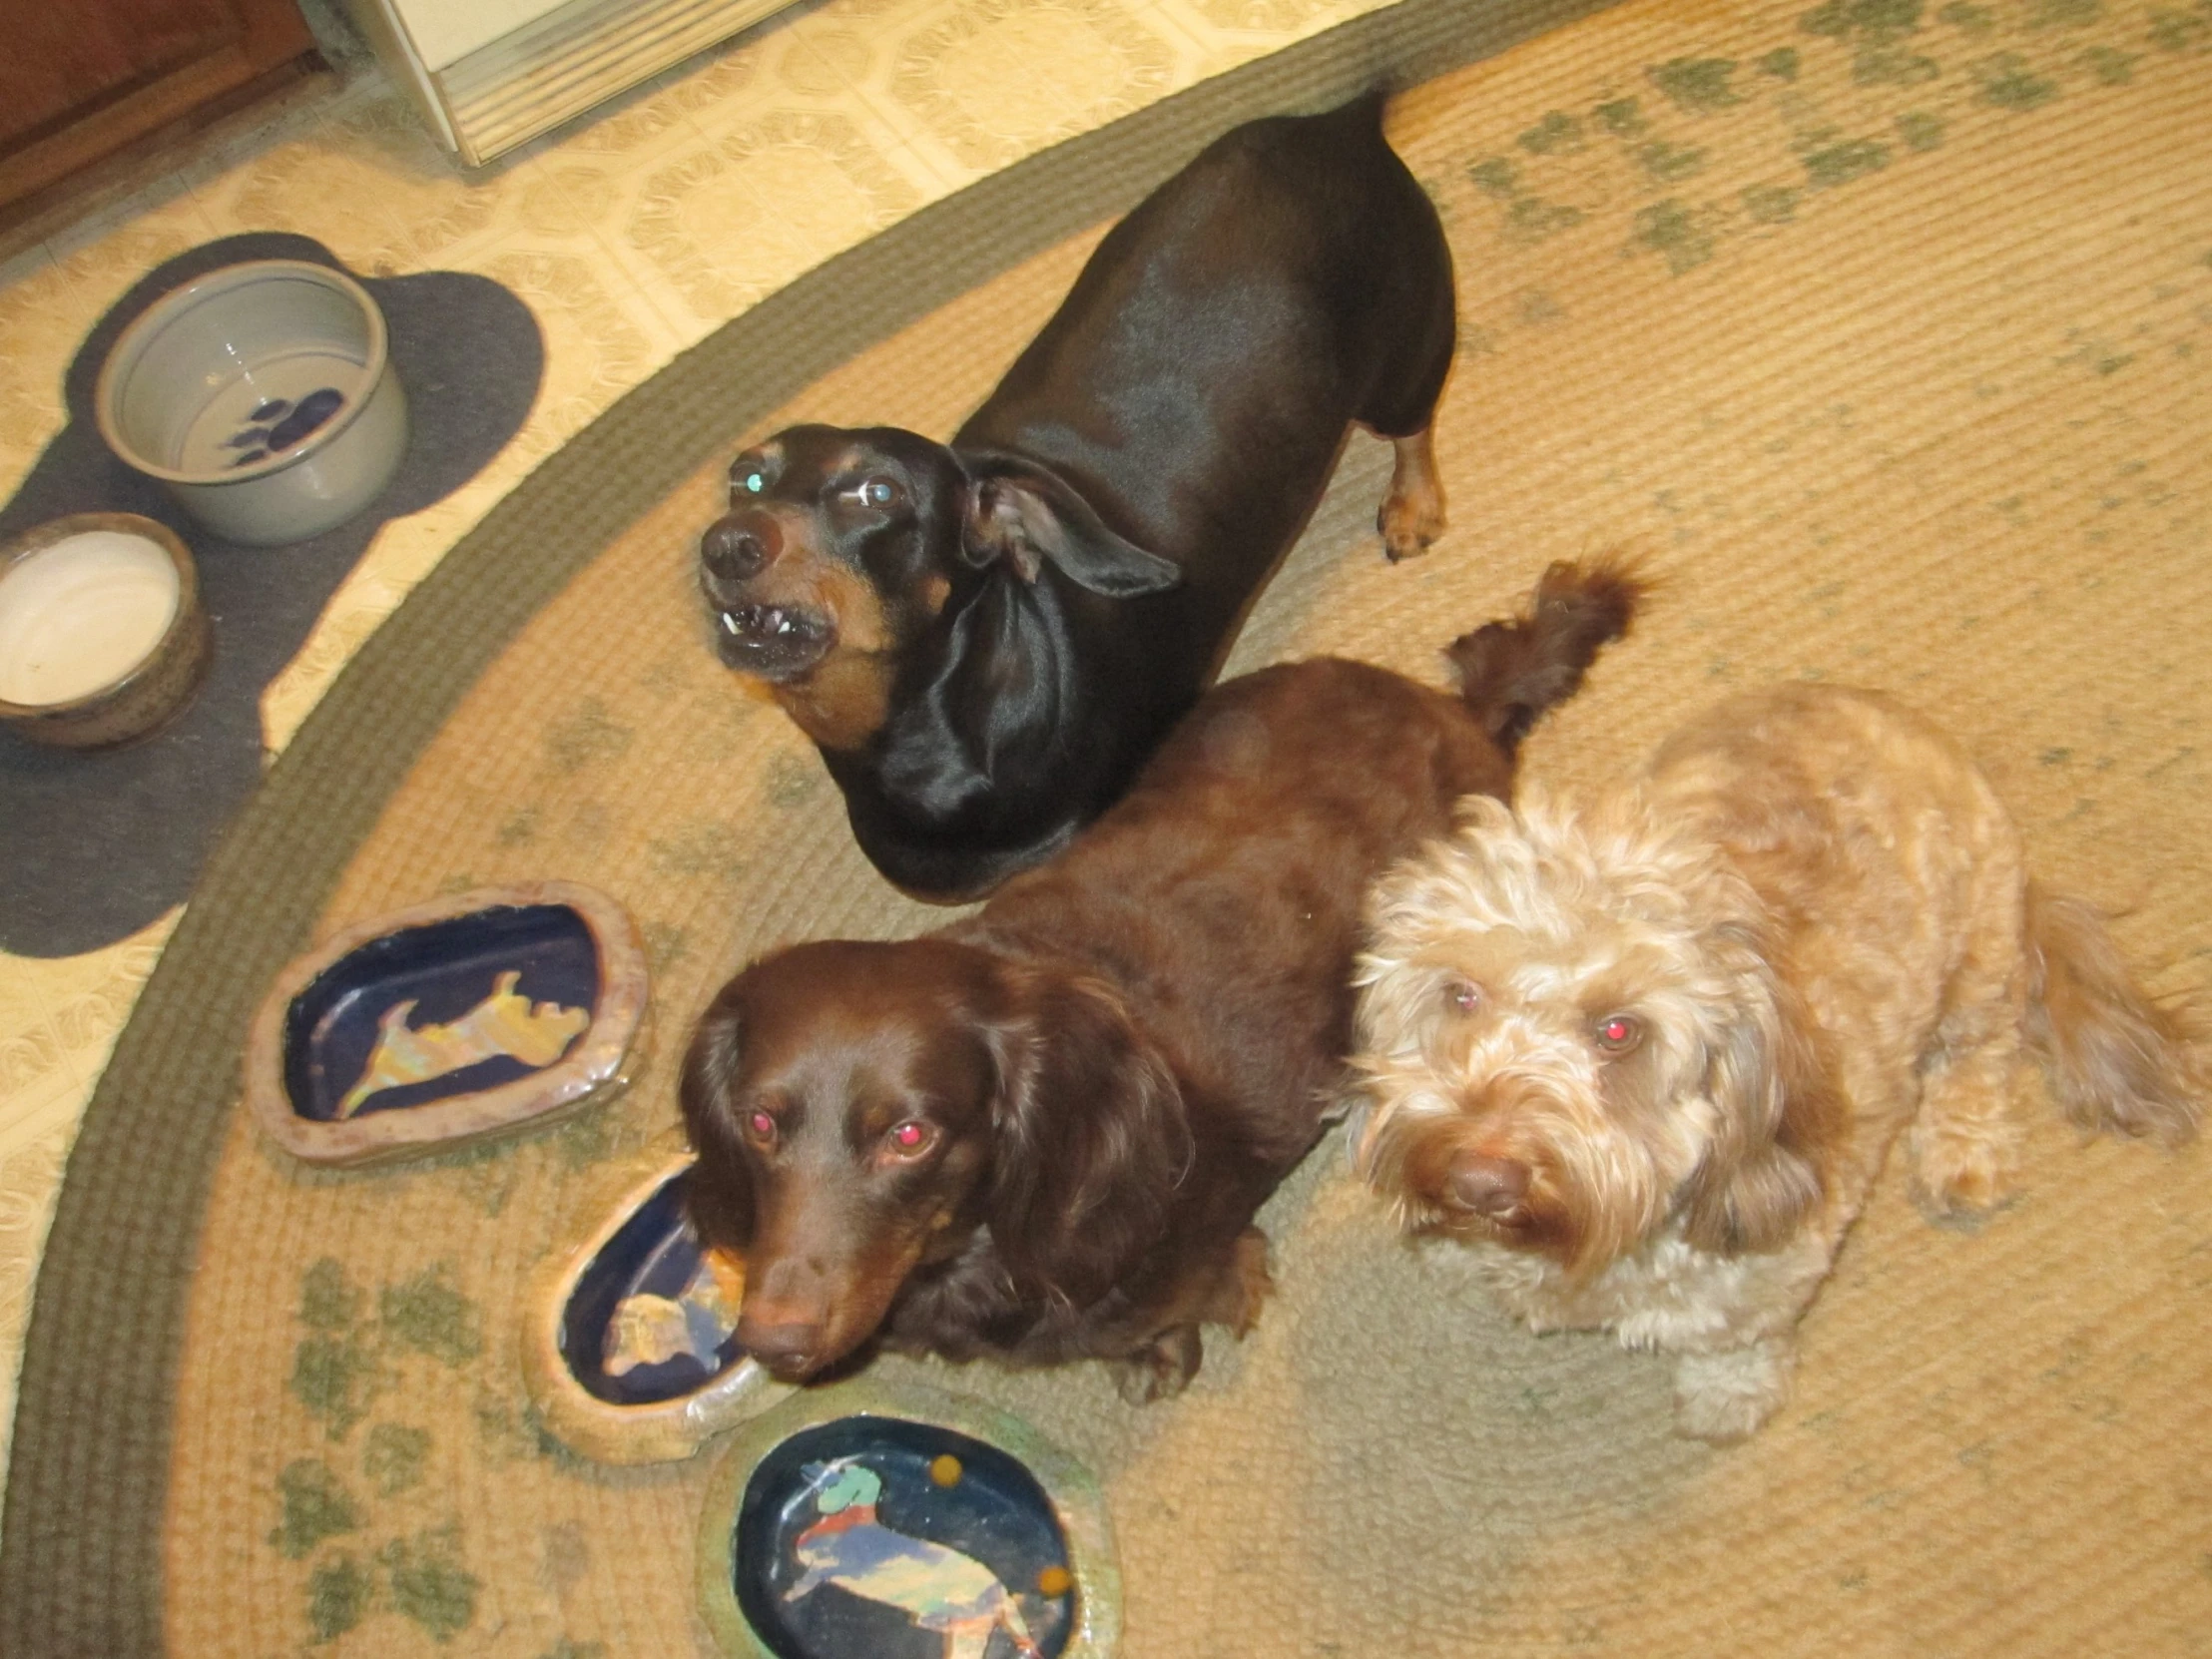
761	624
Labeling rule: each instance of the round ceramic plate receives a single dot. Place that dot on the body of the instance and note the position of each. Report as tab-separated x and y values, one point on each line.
629	1349
900	1523
447	1022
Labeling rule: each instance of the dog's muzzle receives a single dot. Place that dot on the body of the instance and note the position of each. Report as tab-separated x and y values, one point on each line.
775	641
736	549
1490	1187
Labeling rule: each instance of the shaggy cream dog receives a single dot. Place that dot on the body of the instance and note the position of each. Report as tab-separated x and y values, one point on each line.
1646	1056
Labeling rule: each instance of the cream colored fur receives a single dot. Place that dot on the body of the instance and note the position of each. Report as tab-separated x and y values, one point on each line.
1645	1054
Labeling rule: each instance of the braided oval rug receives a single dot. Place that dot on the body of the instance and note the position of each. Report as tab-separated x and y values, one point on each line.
1880	330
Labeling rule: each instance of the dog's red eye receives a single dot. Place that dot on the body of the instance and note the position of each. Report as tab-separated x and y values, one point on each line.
1462	996
878	492
761	1126
1617	1034
912	1137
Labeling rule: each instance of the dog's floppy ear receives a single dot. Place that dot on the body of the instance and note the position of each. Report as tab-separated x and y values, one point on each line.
718	1193
1780	1114
1025	514
1090	1138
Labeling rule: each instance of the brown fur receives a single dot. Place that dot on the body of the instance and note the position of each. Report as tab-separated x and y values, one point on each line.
2117	1061
1411	516
1647	1054
1109	1066
844	700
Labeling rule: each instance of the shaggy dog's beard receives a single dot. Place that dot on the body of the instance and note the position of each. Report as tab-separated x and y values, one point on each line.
1530	1162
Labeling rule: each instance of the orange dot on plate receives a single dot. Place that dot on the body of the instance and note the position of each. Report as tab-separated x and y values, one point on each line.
1054	1581
945	1470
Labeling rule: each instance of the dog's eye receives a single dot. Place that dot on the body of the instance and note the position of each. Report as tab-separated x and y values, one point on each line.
1463	996
759	1127
910	1139
878	493
1618	1033
749	476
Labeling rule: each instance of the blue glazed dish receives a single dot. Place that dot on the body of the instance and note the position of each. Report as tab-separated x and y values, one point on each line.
862	1517
442	973
901	1539
653	1264
628	1345
448	1022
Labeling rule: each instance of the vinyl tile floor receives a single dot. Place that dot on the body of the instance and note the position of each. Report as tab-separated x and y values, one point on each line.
631	233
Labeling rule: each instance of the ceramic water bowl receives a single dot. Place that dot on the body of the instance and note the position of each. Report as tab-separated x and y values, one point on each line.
629	1347
448	1022
262	395
102	635
900	1523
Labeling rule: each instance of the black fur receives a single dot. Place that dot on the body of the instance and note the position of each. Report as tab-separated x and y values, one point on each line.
1046	595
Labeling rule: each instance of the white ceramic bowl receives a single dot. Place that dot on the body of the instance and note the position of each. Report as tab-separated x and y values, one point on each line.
102	635
262	395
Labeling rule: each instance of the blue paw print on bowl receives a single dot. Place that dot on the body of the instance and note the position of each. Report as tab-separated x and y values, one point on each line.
280	423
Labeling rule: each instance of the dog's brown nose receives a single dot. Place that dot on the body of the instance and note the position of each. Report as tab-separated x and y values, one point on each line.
738	548
1488	1186
787	1350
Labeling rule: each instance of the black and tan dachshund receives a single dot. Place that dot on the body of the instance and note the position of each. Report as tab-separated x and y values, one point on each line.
985	639
1041	1134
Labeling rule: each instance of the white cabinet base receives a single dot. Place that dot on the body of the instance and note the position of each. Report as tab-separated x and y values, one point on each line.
545	69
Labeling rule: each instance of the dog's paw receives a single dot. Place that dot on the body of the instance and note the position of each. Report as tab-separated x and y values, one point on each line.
1409	521
1962	1175
1163	1368
1245	1285
1725	1397
1413	513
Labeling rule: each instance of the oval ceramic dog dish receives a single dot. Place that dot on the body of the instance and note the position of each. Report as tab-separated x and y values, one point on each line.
903	1524
629	1349
447	1022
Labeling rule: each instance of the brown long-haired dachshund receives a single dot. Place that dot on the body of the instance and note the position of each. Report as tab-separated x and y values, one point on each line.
1041	1133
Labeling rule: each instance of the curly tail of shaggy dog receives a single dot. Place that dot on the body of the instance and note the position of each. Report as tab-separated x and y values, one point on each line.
1510	673
2117	1060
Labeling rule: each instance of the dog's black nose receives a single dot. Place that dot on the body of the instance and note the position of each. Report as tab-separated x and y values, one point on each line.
1488	1186
737	550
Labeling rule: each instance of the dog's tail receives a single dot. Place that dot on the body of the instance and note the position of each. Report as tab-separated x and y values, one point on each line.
1511	672
2117	1060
